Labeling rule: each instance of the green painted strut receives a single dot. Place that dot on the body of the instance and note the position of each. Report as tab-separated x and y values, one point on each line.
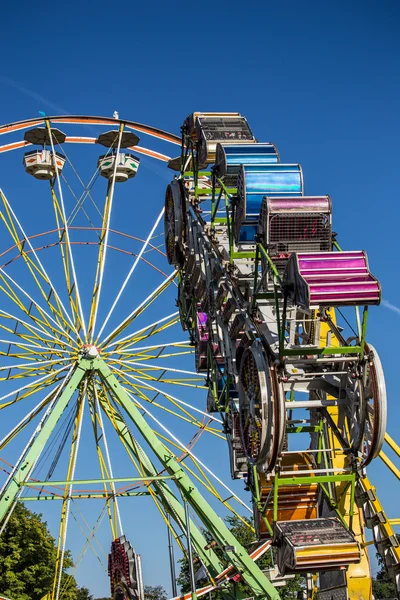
166	496
238	556
89	496
85	481
28	460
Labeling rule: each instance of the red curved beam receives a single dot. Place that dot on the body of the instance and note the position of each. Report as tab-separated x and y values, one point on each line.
89	120
72	139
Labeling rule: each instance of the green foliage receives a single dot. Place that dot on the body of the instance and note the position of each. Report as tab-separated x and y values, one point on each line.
27	558
155	592
83	594
382	586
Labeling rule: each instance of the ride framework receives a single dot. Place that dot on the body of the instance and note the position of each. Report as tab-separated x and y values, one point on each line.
274	314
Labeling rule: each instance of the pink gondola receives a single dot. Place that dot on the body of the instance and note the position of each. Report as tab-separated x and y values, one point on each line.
330	279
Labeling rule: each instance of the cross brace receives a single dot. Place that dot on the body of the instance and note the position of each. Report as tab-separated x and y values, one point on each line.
85	366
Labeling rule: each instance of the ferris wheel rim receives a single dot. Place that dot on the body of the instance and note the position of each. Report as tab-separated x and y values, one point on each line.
91	120
89	228
380	406
272	410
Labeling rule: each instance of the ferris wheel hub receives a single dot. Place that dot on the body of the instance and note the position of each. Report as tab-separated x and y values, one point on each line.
89	351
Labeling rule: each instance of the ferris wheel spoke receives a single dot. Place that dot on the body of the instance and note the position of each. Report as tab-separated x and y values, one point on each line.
62	232
36	331
131	271
86	190
80	205
158	368
27	419
102	254
202	478
21	335
30	355
144	375
183	447
70	579
62	538
44	322
184	415
56	394
35	271
104	471
162	495
35	347
28	369
112	413
149	330
10	292
51	350
133	350
98	415
35	386
149	357
172	399
42	269
138	310
79	310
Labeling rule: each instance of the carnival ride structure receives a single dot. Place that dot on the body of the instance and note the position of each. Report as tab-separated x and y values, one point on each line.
275	315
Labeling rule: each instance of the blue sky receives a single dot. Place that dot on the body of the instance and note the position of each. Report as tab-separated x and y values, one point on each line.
319	79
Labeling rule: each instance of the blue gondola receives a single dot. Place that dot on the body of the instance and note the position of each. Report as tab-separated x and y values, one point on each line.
255	182
229	158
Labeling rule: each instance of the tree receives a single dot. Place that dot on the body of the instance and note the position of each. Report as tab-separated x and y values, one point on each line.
27	558
246	537
382	586
83	594
155	592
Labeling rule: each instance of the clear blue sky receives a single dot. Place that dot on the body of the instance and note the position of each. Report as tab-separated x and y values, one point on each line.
320	79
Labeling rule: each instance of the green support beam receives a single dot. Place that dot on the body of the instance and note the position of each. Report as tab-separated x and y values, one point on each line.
165	495
27	461
88	496
234	552
237	555
86	481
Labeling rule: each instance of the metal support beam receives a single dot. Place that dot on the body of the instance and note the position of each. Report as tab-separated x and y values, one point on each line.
236	554
13	484
88	496
190	553
165	495
86	481
172	560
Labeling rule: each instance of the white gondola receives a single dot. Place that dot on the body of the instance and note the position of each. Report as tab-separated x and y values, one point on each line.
126	167
41	164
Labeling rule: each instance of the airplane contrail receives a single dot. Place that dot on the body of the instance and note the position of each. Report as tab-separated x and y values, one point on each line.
32	94
391	306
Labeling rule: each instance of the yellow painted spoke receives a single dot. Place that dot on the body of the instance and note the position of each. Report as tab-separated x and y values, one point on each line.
59	311
146	332
80	405
105	474
63	233
26	420
138	311
32	388
178	404
45	322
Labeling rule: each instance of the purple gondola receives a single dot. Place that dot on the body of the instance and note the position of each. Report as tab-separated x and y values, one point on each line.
330	279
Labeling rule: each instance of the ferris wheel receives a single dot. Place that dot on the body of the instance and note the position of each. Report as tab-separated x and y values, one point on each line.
92	305
76	292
